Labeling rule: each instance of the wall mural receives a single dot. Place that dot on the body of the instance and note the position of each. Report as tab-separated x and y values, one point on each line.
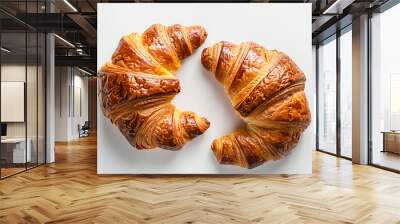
269	128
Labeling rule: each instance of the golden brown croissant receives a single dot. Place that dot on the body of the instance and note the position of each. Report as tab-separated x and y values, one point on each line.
266	88
137	87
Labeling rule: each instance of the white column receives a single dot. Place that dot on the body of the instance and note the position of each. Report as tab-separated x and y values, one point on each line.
50	92
360	90
50	99
63	100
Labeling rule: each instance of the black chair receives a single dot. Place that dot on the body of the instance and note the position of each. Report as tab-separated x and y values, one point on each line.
84	130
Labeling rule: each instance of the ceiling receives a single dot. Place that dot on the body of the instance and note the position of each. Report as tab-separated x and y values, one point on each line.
75	22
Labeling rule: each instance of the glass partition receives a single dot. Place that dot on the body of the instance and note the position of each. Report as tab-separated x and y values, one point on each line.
22	77
13	94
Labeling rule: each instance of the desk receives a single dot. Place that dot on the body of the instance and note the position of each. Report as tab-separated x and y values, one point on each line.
13	150
391	141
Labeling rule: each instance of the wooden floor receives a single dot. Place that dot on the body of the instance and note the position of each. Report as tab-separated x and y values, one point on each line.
387	159
5	172
70	191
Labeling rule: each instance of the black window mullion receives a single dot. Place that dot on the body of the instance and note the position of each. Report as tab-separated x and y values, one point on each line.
317	95
44	79
37	90
0	96
338	74
73	91
369	90
26	87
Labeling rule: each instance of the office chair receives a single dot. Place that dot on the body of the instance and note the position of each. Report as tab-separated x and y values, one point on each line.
84	130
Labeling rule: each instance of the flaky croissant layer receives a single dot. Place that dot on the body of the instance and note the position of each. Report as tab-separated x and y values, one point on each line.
266	88
137	86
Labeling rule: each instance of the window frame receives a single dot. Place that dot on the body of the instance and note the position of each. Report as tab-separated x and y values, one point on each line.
334	37
27	29
381	9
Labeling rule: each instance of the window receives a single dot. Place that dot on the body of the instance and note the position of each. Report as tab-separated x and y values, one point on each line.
346	93
327	96
385	89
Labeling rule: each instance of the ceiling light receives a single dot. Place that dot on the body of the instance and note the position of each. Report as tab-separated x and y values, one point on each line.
337	7
5	50
70	5
65	41
84	71
79	51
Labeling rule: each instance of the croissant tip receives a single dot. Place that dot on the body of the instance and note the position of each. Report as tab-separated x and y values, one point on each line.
197	35
207	122
254	165
206	58
205	33
203	125
214	149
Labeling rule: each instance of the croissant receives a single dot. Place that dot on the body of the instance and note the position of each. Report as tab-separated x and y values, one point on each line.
266	89
137	86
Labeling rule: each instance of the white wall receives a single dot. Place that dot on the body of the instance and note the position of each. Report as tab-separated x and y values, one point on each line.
12	73
33	127
62	81
79	117
69	82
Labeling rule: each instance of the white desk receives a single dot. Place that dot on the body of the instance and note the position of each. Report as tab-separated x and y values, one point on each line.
18	149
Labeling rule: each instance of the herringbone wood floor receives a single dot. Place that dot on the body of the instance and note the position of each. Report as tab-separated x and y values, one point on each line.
70	191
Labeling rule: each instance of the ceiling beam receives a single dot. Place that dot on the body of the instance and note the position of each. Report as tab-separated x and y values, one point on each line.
337	6
49	22
88	29
79	61
320	22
